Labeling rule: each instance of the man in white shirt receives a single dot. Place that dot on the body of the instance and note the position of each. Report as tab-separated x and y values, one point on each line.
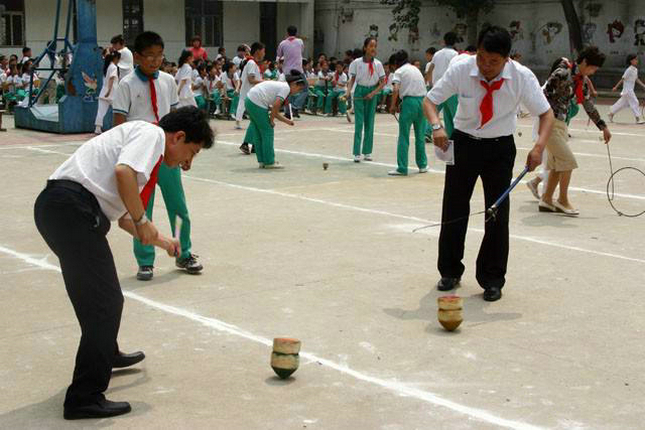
251	75
490	87
627	95
409	86
438	66
428	69
109	178
242	51
126	62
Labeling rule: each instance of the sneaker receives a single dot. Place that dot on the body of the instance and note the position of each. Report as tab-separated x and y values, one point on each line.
245	148
295	113
611	117
423	170
639	120
217	112
145	273
238	126
287	115
98	130
396	173
275	165
357	158
252	149
367	157
190	264
261	165
534	188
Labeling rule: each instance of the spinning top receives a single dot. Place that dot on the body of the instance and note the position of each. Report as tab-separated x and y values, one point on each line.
325	166
449	313
519	133
285	358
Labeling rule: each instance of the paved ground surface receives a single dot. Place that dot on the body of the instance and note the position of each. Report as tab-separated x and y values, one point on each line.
329	257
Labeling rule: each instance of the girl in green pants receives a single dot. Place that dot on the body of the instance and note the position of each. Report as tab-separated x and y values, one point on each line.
263	104
409	86
369	76
339	84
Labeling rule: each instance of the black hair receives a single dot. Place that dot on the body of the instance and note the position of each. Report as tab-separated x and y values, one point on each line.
146	40
192	121
241	48
593	56
25	50
292	30
367	41
630	57
221	49
227	66
183	58
257	46
471	48
196	37
3	57
399	58
358	53
557	63
118	39
431	50
495	39
204	67
108	59
349	52
295	76
450	38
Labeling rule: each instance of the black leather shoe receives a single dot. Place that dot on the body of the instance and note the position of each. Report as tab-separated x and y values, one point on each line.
492	294
101	409
126	360
447	284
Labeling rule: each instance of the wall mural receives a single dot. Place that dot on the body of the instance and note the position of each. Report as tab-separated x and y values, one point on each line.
639	32
550	30
588	30
516	30
615	30
594	9
461	30
373	31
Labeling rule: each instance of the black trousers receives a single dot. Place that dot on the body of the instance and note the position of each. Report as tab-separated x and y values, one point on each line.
492	160
70	220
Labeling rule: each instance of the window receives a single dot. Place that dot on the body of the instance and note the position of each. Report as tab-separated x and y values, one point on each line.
12	22
132	20
204	18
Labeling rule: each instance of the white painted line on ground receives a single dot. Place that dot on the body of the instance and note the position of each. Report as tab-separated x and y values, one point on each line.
413	168
398	388
407	217
594	131
47	151
28	145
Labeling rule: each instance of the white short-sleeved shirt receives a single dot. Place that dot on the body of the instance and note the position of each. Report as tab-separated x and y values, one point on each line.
388	82
237	61
250	69
427	69
342	80
112	72
17	82
321	82
282	78
229	83
361	70
458	58
137	144
463	79
3	77
126	62
26	78
410	81
629	80
185	73
210	84
133	100
266	93
441	61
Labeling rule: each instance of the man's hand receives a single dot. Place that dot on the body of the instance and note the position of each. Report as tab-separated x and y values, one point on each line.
290	122
440	139
173	247
147	233
368	96
534	159
272	123
615	89
606	134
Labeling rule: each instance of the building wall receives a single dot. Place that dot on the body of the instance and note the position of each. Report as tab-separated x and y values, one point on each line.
541	36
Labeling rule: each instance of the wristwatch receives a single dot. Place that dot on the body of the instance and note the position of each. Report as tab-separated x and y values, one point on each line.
144	219
436	127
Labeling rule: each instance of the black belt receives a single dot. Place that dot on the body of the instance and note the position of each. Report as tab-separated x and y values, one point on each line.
482	139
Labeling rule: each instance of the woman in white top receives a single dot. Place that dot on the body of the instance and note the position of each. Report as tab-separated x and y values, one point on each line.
110	83
184	80
263	105
628	96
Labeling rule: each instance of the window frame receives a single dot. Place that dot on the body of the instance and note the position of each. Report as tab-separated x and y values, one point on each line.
201	17
126	7
10	14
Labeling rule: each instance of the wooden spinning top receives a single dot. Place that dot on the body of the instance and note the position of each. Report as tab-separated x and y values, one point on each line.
325	166
449	313
284	358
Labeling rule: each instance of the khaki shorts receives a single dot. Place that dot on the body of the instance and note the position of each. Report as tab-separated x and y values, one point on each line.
560	158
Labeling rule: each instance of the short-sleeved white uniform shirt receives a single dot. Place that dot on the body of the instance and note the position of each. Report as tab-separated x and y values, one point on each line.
629	80
137	144
361	70
185	73
112	72
126	62
133	99
463	79
266	93
441	61
250	69
410	81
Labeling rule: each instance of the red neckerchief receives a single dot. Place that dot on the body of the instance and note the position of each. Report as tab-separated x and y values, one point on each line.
371	65
336	76
486	106
578	80
153	98
147	190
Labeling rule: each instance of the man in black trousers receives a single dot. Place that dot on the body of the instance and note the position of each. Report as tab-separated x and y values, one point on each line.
490	88
109	178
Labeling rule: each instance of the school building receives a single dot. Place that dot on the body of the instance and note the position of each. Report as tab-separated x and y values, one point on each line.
220	23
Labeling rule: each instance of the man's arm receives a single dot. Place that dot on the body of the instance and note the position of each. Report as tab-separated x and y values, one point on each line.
350	85
534	159
439	137
395	97
275	113
118	119
381	84
429	74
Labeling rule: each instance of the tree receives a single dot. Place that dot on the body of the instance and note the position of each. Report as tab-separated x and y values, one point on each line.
406	14
575	30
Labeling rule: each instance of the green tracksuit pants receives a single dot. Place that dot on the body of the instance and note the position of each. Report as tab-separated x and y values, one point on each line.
260	133
364	113
411	114
449	108
335	95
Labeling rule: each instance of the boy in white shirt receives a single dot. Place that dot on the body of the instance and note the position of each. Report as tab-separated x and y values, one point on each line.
387	89
339	84
409	86
109	178
323	87
148	95
126	62
369	76
230	82
628	96
251	75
